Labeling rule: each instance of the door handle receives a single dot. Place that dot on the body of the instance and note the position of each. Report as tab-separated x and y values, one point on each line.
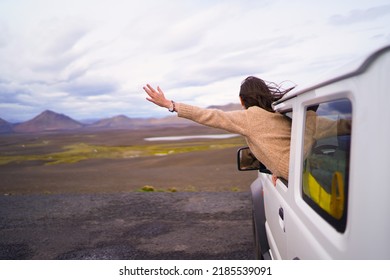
281	213
281	219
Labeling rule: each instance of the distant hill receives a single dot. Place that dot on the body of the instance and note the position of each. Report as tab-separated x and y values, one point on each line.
123	122
52	121
48	121
5	127
119	121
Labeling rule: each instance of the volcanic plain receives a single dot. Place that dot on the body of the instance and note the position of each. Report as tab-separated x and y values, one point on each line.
112	194
119	161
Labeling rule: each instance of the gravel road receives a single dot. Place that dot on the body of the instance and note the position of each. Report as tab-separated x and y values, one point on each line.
199	225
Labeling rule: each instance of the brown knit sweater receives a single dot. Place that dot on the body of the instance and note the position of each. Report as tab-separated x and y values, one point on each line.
267	134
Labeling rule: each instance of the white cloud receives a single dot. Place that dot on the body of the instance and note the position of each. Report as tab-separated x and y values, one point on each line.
90	58
358	15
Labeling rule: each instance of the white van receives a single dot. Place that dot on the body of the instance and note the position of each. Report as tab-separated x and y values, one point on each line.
336	202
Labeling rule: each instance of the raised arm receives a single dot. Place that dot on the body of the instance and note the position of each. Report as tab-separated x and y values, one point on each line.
233	121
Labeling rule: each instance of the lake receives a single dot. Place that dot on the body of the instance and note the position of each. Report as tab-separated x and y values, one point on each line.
186	137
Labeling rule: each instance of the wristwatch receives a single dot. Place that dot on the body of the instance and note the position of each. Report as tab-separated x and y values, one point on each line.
172	107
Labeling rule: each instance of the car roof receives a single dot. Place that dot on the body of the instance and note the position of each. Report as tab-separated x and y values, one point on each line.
352	69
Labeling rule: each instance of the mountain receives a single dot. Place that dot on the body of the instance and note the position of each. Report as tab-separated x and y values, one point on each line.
48	121
5	127
52	121
120	121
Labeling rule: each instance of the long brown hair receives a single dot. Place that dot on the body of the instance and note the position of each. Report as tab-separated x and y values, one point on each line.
256	92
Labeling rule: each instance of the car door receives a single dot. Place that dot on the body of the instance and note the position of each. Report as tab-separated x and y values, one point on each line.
275	206
318	214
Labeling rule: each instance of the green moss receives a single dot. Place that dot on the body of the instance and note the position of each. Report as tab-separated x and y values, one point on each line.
148	188
83	151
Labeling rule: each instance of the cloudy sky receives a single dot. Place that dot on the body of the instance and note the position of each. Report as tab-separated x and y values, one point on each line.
90	58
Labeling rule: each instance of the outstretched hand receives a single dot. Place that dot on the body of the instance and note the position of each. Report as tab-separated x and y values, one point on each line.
157	96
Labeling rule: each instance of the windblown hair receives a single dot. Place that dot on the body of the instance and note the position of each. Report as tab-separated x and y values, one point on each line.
256	92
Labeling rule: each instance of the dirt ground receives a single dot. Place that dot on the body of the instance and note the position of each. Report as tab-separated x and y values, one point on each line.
141	226
93	209
212	170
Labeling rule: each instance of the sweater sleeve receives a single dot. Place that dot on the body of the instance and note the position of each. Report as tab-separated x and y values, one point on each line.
232	121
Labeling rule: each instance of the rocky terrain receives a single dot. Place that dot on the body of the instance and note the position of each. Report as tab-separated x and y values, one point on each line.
60	200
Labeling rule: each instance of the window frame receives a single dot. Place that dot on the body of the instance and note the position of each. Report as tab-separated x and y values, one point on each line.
338	224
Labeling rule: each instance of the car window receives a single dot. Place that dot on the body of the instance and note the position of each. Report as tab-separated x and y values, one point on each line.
326	160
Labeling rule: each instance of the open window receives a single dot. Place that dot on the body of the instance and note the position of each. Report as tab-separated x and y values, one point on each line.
326	156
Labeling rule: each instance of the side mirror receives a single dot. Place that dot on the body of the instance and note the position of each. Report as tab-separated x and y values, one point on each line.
247	161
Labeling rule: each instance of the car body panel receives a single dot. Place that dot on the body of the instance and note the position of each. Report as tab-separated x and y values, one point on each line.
304	234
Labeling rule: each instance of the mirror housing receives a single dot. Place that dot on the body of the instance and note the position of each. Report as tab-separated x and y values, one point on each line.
247	161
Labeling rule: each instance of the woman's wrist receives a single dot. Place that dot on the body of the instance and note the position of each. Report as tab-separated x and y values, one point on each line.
171	107
167	104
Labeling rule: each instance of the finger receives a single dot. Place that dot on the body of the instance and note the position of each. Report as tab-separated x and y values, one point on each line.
160	91
148	91
150	88
153	101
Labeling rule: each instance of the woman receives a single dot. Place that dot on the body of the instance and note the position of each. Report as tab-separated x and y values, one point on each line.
266	131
